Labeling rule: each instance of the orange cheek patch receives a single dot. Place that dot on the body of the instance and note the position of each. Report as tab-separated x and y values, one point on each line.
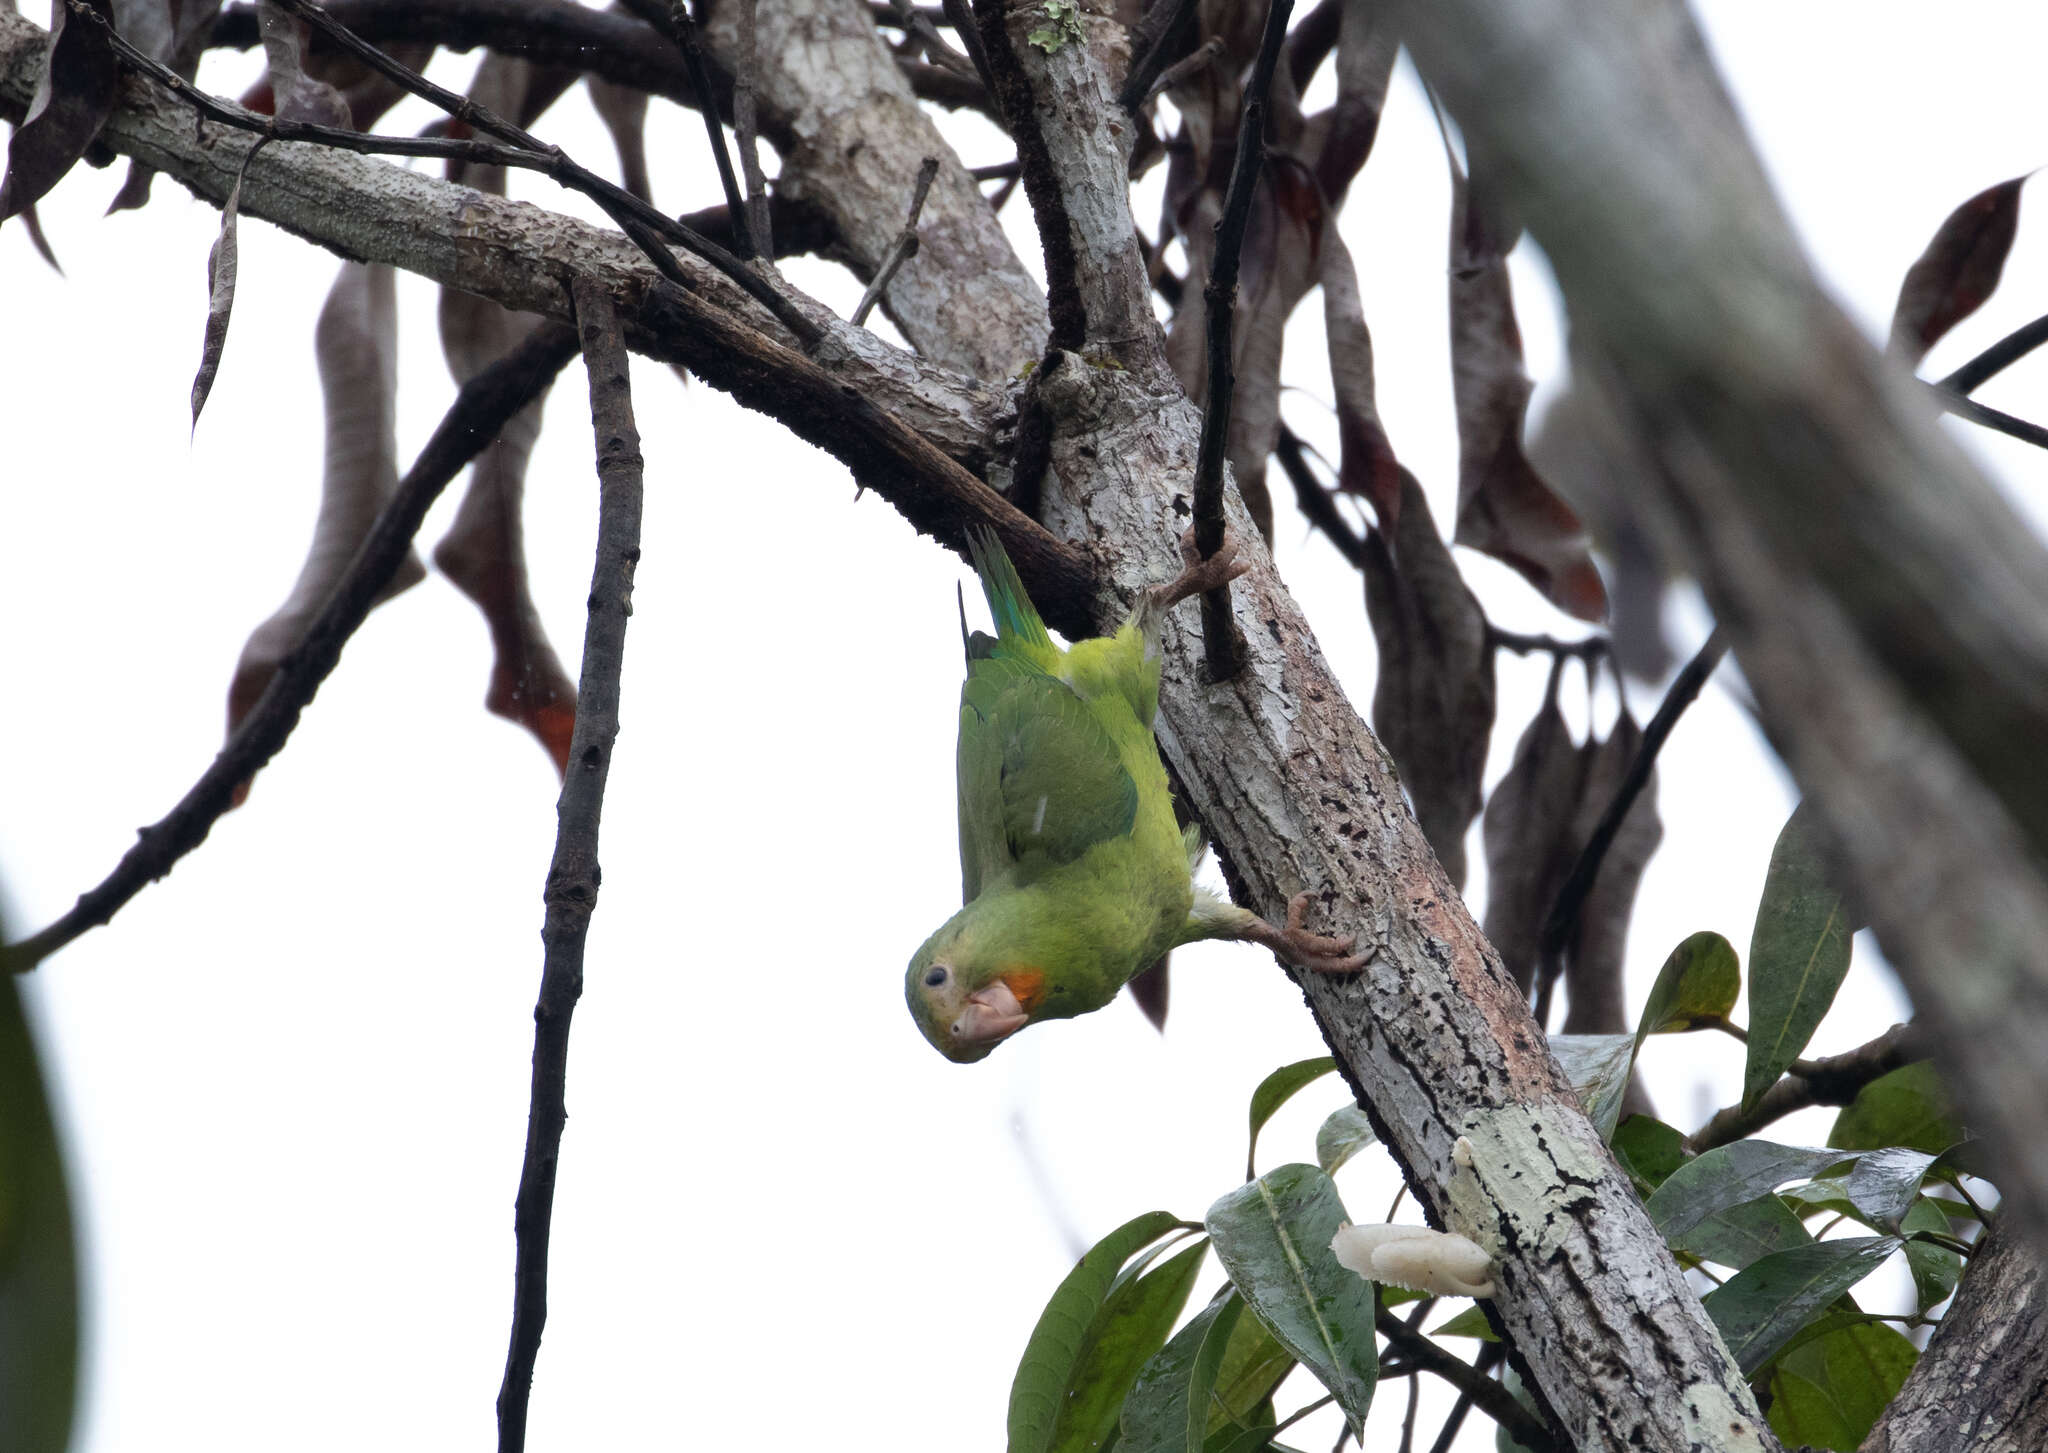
1028	985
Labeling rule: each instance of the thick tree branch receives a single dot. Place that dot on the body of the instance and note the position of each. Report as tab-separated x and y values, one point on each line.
572	880
480	411
1831	1081
1982	1383
1887	606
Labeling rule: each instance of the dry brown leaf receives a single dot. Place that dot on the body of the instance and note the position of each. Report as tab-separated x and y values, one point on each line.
74	96
623	109
1504	508
1958	271
1594	960
1367	466
355	346
1366	49
174	32
484	551
1433	705
222	265
1528	831
295	95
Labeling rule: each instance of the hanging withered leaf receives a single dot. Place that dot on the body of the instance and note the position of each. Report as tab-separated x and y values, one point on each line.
1366	48
355	345
1958	271
623	109
1504	507
1528	833
484	551
1598	1001
222	263
74	96
1433	704
295	95
1367	465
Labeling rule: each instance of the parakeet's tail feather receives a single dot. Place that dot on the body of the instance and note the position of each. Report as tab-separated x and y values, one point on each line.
1195	845
1018	627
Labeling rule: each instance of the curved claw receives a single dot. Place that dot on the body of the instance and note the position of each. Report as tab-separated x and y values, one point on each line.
1316	952
1202	574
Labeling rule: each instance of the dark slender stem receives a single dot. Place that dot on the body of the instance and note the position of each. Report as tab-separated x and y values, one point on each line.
617	202
1299	1413
1997	358
1318	504
480	411
1996	420
1591	648
1001	171
1564	913
903	248
1834	1080
918	24
683	31
1492	1398
1219	632
572	880
1153	44
961	18
1489	1356
747	132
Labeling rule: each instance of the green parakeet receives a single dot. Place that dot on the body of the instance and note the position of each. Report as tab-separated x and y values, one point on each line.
1073	871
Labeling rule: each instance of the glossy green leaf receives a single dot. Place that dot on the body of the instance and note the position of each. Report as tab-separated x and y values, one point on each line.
1727	1176
1469	1323
1798	954
1908	1107
1648	1149
1133	1324
1698	984
1253	1438
1742	1235
1342	1136
1273	1237
1763	1306
1254	1365
38	1257
1276	1090
1168	1409
1051	1356
1598	1066
1829	1392
1935	1269
1885	1183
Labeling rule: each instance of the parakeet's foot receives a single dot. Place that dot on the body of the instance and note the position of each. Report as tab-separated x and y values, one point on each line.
1294	944
1200	575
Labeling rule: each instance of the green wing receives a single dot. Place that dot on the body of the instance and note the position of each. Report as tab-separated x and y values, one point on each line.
1040	780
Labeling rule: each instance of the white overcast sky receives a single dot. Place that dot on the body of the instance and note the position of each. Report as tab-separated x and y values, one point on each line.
294	1075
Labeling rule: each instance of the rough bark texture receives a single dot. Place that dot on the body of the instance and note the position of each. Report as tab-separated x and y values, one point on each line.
852	137
1982	1384
1888	608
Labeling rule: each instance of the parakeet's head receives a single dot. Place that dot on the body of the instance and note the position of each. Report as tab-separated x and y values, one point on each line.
965	1000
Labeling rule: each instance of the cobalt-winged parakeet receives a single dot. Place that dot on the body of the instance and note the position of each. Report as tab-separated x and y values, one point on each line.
1074	873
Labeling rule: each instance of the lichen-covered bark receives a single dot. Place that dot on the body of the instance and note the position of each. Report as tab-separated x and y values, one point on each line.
1982	1384
1888	608
854	138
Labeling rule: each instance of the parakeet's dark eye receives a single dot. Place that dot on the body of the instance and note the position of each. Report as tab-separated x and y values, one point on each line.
936	977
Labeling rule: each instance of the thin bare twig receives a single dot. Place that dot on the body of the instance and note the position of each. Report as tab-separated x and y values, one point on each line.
1997	358
918	24
1589	648
747	132
676	22
1492	1398
480	410
1315	499
1996	420
1831	1081
1153	44
961	18
1219	632
618	203
1489	1357
903	248
572	879
1571	898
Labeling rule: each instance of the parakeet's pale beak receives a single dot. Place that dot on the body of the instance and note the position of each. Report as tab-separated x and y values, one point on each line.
991	1014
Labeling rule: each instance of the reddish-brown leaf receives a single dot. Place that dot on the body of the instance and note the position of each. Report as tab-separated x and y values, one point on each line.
623	109
74	96
1598	1000
1504	508
1434	701
1958	271
355	345
1529	833
484	551
1366	47
296	95
1367	466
